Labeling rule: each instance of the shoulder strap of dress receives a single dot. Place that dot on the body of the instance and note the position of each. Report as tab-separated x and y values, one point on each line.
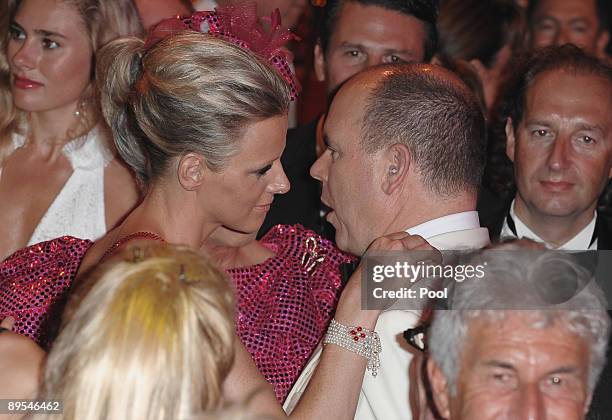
132	236
89	150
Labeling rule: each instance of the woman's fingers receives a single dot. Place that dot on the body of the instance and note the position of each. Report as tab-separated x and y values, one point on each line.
403	241
7	323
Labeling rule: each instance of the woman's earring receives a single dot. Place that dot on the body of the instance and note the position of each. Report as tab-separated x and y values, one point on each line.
81	112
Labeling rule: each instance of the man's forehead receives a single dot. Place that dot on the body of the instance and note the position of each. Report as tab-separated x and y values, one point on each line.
524	338
567	9
566	88
347	106
518	326
371	25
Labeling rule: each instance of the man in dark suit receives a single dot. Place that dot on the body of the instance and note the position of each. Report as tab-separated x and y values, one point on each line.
559	139
354	35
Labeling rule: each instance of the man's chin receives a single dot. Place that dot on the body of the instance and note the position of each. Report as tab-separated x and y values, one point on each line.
350	247
341	241
558	209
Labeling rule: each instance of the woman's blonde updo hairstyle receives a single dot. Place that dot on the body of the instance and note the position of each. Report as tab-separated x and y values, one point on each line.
191	92
103	20
147	338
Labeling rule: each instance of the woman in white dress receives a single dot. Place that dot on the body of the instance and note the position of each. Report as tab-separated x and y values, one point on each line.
58	172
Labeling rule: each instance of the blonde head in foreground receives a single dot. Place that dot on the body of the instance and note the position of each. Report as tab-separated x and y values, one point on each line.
151	337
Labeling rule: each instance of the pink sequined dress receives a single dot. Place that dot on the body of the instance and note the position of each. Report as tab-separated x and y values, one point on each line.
34	284
286	303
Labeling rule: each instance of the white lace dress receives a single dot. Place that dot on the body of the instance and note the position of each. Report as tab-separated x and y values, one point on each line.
78	210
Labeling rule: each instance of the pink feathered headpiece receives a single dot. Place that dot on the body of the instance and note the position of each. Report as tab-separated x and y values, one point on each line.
238	24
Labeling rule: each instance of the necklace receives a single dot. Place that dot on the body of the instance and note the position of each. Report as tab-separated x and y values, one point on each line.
131	237
80	128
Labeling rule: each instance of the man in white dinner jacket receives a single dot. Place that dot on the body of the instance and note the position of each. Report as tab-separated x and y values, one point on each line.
405	152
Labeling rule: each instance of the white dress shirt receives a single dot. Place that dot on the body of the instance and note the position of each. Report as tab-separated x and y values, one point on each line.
446	224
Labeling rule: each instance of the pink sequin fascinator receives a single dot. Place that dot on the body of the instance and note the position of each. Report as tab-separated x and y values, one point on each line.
240	25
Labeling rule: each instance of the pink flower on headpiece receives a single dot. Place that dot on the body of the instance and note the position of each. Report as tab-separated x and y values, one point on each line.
238	24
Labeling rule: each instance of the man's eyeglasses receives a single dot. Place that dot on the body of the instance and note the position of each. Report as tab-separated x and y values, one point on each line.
416	337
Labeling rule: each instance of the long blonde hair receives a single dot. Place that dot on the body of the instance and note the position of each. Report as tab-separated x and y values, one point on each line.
103	21
151	339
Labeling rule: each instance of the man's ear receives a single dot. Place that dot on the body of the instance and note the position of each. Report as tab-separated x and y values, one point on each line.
436	60
191	169
396	163
439	388
319	63
602	43
481	70
510	139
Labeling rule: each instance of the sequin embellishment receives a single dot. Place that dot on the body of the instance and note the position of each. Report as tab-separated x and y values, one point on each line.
34	283
286	303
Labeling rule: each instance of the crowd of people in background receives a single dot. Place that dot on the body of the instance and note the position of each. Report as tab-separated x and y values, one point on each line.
190	190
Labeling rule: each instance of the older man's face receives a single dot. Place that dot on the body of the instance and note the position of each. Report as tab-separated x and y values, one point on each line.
510	370
558	22
350	176
562	148
366	36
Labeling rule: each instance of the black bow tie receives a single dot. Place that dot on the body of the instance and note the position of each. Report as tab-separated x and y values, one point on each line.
512	226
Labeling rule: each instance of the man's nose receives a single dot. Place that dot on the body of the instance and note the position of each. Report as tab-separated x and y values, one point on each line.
563	37
318	170
559	154
375	60
531	404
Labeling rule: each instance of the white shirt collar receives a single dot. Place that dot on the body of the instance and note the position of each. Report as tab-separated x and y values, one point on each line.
579	242
446	224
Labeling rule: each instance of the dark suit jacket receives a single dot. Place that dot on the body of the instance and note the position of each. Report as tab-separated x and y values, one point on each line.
493	210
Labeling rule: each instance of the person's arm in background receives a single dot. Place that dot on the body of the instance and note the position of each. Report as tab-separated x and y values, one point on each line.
21	363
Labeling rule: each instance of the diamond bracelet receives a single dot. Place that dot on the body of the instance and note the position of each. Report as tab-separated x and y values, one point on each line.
359	340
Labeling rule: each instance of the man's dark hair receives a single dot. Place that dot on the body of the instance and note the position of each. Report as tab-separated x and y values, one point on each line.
436	116
568	58
477	29
424	10
602	8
